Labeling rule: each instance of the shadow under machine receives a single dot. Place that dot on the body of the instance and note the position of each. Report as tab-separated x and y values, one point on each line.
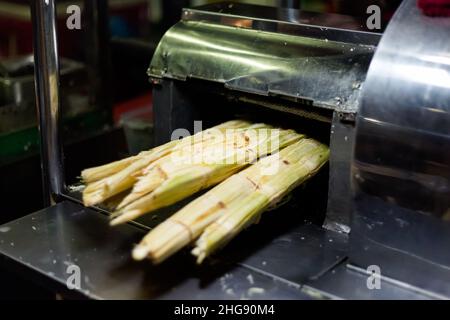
380	101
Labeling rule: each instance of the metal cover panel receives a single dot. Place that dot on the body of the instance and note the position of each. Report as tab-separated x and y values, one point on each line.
326	68
401	164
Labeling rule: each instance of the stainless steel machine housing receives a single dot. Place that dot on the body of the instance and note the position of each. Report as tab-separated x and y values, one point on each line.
380	101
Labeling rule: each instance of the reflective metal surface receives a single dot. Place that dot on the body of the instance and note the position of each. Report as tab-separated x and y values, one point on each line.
340	204
266	57
47	246
290	4
47	97
401	168
334	27
345	282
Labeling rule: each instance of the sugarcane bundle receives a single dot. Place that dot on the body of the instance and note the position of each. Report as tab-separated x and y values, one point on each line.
180	174
109	180
220	214
187	157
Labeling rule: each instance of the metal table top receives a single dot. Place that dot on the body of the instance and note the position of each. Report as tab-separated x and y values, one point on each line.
297	263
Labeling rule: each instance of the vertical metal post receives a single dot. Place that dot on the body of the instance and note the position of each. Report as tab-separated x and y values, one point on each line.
47	97
295	5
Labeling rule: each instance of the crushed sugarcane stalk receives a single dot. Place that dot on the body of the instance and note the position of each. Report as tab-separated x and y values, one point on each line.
170	180
216	217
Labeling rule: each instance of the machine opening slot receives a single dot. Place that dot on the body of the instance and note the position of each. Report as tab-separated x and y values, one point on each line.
211	104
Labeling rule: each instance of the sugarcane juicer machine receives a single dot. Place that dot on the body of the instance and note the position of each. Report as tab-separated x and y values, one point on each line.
381	209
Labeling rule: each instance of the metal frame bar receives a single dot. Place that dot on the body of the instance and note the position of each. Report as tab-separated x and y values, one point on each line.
47	98
46	59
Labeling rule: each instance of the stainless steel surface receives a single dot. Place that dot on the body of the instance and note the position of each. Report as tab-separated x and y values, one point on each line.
339	206
401	166
347	283
334	27
293	15
261	56
47	97
47	246
303	253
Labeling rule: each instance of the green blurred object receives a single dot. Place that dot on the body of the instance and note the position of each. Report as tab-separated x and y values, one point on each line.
314	5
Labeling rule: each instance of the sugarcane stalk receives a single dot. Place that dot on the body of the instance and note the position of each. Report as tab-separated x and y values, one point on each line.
112	179
187	224
161	190
101	190
232	205
175	189
190	162
94	174
294	170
